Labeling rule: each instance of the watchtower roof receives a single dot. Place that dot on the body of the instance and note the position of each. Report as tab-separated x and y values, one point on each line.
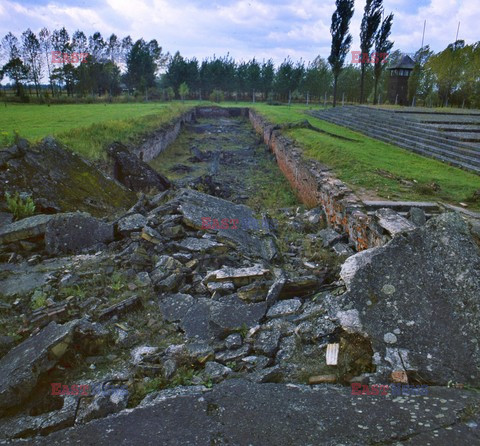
403	63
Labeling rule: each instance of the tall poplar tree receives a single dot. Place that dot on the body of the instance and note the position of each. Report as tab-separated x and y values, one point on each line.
341	39
372	17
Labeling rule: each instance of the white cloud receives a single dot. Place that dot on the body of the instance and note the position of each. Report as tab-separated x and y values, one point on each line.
244	28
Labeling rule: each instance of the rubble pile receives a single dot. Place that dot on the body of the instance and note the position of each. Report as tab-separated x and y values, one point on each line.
161	314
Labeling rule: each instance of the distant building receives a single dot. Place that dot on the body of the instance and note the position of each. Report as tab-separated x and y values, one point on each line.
400	71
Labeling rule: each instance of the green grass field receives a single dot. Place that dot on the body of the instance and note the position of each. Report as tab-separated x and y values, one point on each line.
85	128
372	168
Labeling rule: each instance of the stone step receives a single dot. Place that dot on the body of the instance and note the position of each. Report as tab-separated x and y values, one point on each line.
403	214
402	206
427	151
422	146
395	136
454	127
365	112
442	148
401	124
442	141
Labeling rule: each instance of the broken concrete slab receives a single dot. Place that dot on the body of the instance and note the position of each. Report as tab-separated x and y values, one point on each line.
267	342
59	180
130	223
216	371
284	308
291	415
417	216
193	244
104	403
21	367
26	228
355	263
221	288
329	237
133	172
239	276
27	425
206	319
343	249
72	233
195	205
120	308
392	222
417	298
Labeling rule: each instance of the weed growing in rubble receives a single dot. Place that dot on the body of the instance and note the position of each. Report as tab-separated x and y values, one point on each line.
39	299
18	206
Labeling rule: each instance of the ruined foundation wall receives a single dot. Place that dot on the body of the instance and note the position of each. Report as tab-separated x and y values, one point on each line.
315	185
159	140
313	182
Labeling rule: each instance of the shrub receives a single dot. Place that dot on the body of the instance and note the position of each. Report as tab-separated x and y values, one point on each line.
183	91
217	96
154	93
169	94
39	299
19	207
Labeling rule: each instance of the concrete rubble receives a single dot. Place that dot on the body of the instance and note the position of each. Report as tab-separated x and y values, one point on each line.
196	333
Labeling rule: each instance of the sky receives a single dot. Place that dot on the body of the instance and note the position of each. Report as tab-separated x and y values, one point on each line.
245	29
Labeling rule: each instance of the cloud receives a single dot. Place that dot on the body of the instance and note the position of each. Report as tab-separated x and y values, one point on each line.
244	28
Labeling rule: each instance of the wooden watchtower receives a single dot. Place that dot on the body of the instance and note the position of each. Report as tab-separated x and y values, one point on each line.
400	72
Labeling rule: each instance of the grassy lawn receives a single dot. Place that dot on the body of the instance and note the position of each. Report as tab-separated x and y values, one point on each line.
86	128
372	167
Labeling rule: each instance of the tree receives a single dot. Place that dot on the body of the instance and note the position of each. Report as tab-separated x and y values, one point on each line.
371	20
183	90
15	69
113	48
420	82
10	47
288	78
32	56
318	78
382	47
79	42
341	39
177	71
125	48
61	43
267	76
471	82
46	47
253	77
447	68
241	78
348	82
142	64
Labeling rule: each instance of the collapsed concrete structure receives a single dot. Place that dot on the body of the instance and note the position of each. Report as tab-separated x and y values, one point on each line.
198	330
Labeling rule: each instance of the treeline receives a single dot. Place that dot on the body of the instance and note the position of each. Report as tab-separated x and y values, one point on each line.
116	66
222	77
448	78
31	59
